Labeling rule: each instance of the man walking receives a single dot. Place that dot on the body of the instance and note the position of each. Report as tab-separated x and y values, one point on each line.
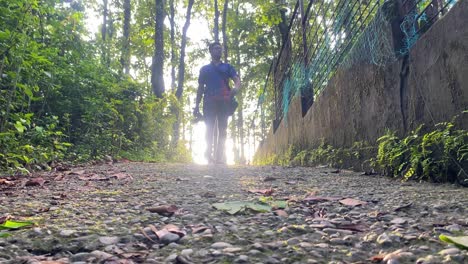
213	86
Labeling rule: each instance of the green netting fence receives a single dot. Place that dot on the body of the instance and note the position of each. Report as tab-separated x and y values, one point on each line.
326	35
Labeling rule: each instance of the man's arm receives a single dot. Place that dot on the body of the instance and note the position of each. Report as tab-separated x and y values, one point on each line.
201	89
237	84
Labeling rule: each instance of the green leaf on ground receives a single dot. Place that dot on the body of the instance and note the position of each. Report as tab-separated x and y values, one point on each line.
3	234
235	207
278	204
9	224
461	241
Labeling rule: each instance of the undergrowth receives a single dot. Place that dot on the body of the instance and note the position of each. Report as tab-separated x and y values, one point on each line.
438	155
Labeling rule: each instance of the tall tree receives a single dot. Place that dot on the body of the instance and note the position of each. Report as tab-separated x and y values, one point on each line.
216	21
125	56
173	44
157	69
180	81
225	37
105	12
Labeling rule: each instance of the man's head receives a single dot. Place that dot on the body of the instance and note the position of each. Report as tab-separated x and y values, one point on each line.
216	50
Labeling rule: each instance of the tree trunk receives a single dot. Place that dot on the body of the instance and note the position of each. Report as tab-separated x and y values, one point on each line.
225	38
173	45
240	123
157	69
180	80
125	57
105	11
216	21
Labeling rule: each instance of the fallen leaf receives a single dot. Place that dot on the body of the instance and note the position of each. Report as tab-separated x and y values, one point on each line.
146	235
198	228
175	229
377	258
6	182
459	241
59	177
165	210
77	172
4	218
11	224
401	207
281	213
161	233
93	177
121	176
352	202
239	206
266	192
35	182
275	204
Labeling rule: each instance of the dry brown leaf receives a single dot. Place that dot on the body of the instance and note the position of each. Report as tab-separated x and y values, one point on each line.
165	210
77	172
4	218
121	176
352	202
35	182
59	177
198	228
161	233
146	235
266	192
377	258
281	213
175	229
6	182
93	177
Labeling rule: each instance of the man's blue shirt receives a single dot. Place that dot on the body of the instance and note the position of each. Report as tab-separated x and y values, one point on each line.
215	80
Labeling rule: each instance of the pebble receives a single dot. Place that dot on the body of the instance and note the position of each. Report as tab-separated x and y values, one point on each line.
109	240
384	240
220	245
450	251
186	252
169	238
67	233
242	259
232	250
81	257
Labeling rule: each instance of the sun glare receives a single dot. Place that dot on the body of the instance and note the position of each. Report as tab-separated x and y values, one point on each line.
199	146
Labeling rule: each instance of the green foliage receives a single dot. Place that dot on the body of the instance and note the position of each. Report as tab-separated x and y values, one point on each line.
59	100
29	143
437	156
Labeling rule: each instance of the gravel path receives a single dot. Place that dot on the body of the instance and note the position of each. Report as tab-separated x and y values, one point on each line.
163	213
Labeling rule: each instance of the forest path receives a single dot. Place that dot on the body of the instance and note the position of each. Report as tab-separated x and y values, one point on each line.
119	213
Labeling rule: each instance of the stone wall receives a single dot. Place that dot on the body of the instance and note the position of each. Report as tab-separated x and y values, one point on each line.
428	86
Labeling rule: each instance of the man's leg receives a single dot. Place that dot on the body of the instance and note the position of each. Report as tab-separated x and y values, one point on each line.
210	118
222	133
